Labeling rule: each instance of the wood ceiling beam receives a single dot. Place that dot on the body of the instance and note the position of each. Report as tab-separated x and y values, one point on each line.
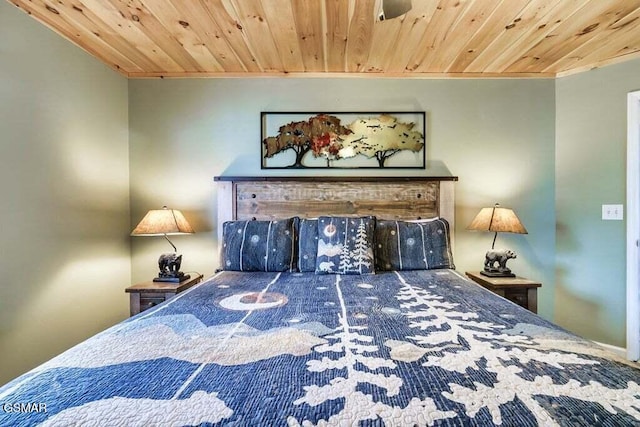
478	46
207	29
617	40
360	34
437	34
281	20
308	20
227	25
592	16
447	38
414	26
102	47
259	38
467	26
536	23
181	28
152	37
348	75
337	20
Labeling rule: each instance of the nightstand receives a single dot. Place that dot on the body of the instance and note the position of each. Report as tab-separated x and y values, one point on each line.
522	291
148	294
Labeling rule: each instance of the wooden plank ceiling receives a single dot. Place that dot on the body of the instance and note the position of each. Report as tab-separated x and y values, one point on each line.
435	38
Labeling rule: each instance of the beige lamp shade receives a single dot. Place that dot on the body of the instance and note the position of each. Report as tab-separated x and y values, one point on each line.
159	222
497	219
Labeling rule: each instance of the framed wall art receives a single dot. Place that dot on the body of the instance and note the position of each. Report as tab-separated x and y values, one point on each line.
343	140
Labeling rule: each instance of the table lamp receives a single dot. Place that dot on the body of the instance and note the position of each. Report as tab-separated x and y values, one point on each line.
164	222
497	219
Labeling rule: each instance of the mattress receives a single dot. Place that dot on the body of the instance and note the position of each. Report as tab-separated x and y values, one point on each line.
301	349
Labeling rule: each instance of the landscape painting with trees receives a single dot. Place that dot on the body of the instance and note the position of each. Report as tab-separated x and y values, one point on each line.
343	140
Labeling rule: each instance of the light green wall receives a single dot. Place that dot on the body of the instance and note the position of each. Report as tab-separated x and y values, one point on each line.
590	171
497	136
64	247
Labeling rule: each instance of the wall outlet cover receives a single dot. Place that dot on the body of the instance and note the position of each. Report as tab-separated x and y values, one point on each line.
612	212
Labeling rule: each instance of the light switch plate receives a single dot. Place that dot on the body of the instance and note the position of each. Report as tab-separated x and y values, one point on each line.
612	212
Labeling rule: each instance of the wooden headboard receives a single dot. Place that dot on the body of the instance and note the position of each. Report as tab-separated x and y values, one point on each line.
263	198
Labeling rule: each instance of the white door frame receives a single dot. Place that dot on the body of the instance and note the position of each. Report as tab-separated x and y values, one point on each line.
633	225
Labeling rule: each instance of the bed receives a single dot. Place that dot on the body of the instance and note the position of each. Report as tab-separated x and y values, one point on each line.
380	340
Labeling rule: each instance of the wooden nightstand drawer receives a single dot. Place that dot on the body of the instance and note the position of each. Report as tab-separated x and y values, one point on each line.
149	294
150	300
519	290
519	296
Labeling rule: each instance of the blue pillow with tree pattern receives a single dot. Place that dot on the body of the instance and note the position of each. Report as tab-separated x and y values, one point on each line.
345	245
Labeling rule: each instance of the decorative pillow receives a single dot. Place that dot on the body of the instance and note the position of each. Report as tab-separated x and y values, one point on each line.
404	245
258	245
307	244
345	245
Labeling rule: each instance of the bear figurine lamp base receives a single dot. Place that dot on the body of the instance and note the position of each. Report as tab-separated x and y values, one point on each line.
497	219
163	222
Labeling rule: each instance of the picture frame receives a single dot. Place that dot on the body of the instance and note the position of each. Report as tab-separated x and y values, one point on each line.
351	140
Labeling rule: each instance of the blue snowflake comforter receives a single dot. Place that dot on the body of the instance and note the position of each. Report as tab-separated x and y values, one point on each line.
299	349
